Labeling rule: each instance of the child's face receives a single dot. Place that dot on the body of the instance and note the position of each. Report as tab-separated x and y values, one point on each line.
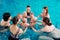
19	16
25	20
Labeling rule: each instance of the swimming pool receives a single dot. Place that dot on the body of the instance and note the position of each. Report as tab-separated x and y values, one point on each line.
19	6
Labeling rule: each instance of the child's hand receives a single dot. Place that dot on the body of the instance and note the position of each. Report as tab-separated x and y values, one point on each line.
32	24
26	25
21	24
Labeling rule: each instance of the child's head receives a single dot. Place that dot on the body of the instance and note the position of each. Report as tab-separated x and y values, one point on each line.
6	16
15	20
46	21
19	16
24	20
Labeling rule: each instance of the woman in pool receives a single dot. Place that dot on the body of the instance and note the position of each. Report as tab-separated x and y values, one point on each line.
45	13
6	19
50	29
27	14
15	30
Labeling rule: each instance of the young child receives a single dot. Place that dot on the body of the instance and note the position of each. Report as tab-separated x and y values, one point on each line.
33	20
24	23
19	16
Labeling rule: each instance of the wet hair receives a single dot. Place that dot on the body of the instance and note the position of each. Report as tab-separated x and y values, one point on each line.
44	7
6	16
47	21
15	20
28	6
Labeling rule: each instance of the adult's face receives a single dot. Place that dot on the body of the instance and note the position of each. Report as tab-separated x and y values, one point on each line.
28	9
44	10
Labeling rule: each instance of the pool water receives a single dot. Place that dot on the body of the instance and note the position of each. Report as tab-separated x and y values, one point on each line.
19	6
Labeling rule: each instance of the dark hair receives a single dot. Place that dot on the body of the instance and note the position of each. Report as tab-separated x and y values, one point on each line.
15	20
28	6
47	21
6	16
44	7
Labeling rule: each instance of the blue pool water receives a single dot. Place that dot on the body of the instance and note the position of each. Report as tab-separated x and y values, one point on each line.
19	6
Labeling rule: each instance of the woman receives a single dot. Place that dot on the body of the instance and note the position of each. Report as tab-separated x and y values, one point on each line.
50	29
15	30
27	14
5	23
45	13
6	19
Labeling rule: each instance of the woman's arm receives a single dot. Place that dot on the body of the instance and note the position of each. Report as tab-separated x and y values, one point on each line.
41	30
35	30
25	30
22	32
39	22
39	15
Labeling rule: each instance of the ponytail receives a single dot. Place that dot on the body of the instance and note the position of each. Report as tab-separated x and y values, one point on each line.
49	24
47	21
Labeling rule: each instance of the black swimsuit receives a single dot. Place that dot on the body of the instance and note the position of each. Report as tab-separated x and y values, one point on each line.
28	14
28	19
14	37
3	27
